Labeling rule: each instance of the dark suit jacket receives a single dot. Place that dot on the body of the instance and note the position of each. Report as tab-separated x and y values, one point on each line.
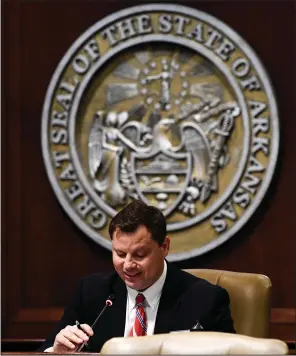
185	299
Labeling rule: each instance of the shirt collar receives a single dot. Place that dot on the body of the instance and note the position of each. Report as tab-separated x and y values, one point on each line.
151	294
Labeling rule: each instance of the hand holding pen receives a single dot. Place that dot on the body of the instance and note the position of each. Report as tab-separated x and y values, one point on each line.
72	337
75	337
86	331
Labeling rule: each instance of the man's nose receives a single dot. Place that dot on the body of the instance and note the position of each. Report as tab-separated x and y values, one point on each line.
129	263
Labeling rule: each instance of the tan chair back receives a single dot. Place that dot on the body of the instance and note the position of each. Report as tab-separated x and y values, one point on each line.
249	298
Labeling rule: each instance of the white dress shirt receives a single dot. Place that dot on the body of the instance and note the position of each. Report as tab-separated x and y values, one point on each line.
152	297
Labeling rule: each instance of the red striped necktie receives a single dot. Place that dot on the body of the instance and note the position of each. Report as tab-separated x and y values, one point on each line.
140	325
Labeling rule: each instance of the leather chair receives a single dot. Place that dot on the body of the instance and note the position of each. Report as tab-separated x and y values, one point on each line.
194	343
249	299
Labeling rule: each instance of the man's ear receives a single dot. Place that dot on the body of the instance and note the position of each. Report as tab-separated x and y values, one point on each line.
166	245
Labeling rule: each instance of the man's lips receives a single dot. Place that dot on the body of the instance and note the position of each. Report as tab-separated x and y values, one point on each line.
131	275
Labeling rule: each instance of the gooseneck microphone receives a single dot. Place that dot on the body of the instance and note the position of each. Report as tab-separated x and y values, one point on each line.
108	303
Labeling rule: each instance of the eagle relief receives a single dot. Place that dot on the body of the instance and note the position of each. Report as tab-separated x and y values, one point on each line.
168	105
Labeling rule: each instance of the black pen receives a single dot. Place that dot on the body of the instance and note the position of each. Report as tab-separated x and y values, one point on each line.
78	325
80	328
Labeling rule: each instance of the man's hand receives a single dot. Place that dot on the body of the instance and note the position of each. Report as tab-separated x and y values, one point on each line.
69	338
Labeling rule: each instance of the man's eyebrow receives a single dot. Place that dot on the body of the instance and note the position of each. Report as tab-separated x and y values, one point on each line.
117	249
141	248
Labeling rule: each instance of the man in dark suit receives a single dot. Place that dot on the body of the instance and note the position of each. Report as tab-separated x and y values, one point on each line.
170	299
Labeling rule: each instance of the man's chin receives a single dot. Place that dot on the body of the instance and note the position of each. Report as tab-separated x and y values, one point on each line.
133	283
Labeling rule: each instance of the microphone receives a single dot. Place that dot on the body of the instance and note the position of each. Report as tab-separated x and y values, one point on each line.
108	303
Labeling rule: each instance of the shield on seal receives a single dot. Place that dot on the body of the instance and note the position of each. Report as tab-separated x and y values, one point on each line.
161	178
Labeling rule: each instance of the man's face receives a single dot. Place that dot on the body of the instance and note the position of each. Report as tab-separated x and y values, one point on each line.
137	258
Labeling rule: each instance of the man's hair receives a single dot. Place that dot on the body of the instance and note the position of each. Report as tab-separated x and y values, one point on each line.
136	214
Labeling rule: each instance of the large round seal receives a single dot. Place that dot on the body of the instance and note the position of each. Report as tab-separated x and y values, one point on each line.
165	104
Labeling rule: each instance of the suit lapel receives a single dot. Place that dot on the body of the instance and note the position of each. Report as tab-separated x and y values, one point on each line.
118	310
169	303
112	322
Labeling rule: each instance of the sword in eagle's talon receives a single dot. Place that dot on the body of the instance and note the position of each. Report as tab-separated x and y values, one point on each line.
222	131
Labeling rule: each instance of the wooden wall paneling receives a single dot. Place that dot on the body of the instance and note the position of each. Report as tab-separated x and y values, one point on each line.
39	231
12	164
3	173
283	324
